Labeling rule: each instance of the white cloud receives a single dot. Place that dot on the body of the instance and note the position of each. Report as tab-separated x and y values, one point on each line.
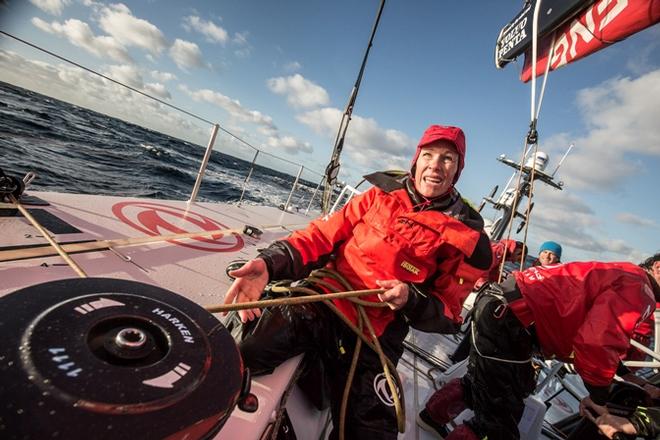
118	21
186	54
82	88
289	144
130	75
564	217
127	74
275	141
299	92
367	145
79	34
233	107
53	7
212	32
162	76
622	120
157	90
635	220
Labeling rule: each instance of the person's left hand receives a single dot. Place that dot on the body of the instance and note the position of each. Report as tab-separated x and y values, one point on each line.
395	295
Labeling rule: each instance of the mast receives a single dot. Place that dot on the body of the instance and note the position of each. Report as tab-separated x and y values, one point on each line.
332	169
509	200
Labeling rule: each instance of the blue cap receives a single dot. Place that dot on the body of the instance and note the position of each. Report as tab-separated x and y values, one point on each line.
551	246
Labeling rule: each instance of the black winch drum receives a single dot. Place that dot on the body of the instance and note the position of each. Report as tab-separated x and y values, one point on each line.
97	358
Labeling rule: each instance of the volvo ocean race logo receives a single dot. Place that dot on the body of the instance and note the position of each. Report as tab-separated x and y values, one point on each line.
382	390
159	219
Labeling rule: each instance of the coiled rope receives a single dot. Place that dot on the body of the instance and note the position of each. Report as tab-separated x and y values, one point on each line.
319	278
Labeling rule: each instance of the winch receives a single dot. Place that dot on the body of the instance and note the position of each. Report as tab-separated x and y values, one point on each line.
106	358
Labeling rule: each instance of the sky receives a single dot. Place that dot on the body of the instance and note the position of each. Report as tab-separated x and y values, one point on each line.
279	74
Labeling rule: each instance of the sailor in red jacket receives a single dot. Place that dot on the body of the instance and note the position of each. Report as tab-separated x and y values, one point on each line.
508	250
582	312
412	235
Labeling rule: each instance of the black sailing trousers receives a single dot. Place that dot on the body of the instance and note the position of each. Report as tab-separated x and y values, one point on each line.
286	331
495	389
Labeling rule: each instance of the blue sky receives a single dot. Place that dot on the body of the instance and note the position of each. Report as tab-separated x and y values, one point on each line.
279	74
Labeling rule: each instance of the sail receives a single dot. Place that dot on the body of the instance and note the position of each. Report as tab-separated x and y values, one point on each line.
603	23
516	37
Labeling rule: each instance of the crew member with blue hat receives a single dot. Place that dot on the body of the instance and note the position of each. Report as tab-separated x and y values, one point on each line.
549	253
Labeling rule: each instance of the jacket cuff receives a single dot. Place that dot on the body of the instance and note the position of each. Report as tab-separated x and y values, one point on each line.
278	260
416	303
269	265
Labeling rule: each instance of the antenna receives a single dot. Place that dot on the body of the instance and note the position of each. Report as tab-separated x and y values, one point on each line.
570	147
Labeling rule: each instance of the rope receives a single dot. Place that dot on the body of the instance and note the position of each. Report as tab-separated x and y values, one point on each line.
513	204
388	374
292	301
532	138
530	194
44	232
90	246
317	278
349	382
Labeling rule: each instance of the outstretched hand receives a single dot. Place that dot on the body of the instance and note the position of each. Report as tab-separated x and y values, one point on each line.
250	281
396	293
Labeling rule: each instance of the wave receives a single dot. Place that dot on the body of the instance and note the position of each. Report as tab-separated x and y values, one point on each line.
73	149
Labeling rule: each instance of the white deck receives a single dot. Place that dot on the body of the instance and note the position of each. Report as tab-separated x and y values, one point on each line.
196	273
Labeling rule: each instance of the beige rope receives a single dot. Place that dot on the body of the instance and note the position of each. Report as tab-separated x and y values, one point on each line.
295	300
57	248
529	198
388	366
46	250
388	374
513	215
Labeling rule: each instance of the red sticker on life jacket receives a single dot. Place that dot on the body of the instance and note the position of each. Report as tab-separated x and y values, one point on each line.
159	219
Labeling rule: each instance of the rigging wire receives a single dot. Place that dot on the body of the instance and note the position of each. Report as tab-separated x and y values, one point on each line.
332	169
531	138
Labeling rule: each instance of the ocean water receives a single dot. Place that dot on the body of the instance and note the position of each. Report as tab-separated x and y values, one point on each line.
73	149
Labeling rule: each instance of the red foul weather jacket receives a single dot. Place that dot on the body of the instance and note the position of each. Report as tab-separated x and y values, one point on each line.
498	248
390	232
586	312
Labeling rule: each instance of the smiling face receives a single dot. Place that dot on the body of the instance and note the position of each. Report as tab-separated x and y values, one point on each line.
548	257
435	168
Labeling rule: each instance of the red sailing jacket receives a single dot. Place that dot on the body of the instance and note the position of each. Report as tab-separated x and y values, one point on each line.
586	312
379	235
498	248
643	334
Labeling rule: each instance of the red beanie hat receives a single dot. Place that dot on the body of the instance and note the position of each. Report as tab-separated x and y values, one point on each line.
443	132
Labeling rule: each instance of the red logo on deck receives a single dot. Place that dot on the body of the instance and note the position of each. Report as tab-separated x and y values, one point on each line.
158	219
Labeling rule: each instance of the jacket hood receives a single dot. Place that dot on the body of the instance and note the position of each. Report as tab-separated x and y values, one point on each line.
442	132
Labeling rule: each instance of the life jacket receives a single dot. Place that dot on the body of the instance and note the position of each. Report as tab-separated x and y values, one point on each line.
379	235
